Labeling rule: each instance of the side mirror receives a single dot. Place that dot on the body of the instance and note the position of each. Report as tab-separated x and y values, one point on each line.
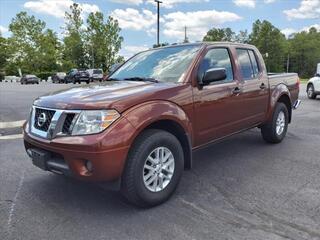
213	75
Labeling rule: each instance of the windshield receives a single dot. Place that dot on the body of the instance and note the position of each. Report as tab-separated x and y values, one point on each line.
164	64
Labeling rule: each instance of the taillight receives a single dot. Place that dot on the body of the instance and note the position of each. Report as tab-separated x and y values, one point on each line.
298	82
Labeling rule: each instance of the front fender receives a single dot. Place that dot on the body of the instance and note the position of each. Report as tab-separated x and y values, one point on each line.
142	115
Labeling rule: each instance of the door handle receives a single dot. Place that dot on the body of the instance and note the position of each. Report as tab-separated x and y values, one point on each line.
236	91
262	86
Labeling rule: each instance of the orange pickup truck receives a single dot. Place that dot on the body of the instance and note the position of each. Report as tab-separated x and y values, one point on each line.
137	131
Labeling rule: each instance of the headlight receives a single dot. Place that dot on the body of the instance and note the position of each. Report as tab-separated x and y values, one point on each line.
94	121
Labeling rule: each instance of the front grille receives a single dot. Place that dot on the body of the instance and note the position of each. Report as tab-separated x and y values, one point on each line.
43	125
67	123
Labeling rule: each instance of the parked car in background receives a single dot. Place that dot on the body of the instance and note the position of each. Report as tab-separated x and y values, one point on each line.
138	131
58	77
12	79
49	79
77	76
313	85
29	79
95	74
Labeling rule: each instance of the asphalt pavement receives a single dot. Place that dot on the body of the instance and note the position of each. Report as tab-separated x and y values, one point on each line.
241	188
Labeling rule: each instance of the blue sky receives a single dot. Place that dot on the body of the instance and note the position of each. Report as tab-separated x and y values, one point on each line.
138	17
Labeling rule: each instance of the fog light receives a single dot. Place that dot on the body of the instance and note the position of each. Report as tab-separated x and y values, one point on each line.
29	152
89	166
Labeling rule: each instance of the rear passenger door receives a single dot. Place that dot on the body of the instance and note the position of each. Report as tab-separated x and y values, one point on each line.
255	87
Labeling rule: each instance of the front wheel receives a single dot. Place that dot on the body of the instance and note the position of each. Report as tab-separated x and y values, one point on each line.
154	168
310	92
276	130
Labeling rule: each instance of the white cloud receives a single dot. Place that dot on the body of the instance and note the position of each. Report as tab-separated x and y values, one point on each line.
165	3
289	31
3	29
129	2
269	1
57	8
308	9
316	26
134	19
198	23
172	3
130	50
245	3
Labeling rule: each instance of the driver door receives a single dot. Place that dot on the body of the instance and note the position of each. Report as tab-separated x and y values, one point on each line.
217	105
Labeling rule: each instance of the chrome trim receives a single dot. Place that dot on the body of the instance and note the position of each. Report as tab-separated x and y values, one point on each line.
56	124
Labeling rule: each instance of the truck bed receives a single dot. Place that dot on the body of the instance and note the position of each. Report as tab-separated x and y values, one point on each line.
291	80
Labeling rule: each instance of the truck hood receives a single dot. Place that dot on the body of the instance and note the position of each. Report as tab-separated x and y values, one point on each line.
119	95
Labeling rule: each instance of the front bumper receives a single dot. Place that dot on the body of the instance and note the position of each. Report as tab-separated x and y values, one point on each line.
69	155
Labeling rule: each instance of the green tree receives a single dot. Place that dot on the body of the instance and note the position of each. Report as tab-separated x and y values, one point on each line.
242	37
304	52
74	47
160	45
271	43
31	47
103	40
3	55
219	34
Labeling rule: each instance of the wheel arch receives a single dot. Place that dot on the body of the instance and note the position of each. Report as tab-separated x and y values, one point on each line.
167	116
281	94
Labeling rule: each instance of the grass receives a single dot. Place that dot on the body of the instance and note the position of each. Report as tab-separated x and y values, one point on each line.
304	80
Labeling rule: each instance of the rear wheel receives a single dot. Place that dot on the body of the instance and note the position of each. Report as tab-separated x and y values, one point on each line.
275	131
154	168
88	81
310	92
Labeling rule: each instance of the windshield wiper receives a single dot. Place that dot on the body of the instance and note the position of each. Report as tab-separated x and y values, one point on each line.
142	79
113	79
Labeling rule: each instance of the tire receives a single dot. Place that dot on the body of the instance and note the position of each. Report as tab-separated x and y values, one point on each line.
310	92
88	81
134	187
275	131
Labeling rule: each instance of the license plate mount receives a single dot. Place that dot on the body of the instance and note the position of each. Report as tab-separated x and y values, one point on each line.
39	158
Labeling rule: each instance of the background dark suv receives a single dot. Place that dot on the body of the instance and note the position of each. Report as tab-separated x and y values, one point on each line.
77	76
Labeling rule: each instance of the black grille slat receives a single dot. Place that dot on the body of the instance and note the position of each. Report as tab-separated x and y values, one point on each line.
49	115
67	123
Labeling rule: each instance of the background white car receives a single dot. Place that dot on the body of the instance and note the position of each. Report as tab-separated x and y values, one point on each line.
95	74
313	86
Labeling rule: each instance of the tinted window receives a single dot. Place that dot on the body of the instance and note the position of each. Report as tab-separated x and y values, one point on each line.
97	71
217	58
254	63
245	64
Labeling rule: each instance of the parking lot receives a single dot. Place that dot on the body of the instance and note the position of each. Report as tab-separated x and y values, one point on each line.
241	188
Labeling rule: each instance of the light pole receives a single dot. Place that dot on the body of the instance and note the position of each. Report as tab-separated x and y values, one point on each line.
158	22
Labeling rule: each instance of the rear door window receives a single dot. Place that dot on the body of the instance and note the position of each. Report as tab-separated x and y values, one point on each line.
254	62
245	64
